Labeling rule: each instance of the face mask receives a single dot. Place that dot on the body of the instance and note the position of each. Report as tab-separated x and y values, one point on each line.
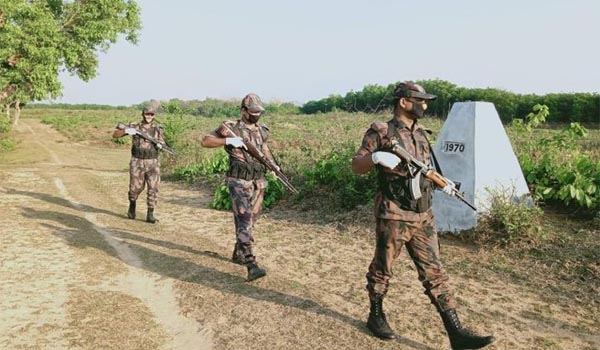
252	119
417	110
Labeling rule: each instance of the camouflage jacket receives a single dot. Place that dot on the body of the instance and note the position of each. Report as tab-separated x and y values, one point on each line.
377	138
144	149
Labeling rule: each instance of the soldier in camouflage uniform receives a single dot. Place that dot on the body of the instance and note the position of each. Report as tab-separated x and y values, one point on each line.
404	220
144	168
245	176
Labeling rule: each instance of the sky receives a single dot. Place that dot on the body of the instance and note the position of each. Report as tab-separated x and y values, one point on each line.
296	51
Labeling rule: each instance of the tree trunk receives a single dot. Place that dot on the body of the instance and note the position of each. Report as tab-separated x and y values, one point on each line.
17	112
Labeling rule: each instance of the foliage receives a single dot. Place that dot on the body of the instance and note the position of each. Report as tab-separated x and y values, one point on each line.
40	38
4	126
120	140
273	193
208	167
332	176
564	107
7	144
76	106
555	167
174	124
509	218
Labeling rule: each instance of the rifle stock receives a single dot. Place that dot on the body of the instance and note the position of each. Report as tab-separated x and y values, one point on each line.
428	172
254	152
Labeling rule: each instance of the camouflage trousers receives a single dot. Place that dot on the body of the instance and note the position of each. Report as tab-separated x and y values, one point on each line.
246	203
144	172
421	241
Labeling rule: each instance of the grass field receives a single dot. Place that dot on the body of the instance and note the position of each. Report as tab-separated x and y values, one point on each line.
559	264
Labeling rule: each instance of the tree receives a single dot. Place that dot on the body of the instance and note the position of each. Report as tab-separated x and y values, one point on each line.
39	38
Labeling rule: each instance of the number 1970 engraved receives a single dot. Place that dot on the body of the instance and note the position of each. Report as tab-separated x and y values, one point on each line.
453	147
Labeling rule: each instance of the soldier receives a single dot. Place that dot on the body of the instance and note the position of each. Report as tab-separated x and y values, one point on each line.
144	168
402	219
245	176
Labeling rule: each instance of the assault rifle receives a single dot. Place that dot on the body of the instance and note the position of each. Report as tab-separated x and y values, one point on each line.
417	167
147	137
162	146
227	132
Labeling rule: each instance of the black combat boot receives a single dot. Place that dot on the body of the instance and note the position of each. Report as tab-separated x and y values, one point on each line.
460	337
237	257
150	216
377	322
131	211
255	272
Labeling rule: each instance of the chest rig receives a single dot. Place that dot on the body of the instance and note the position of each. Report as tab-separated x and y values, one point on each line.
249	168
143	149
403	185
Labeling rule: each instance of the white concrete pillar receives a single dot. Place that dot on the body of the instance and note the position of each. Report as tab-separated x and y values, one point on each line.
473	149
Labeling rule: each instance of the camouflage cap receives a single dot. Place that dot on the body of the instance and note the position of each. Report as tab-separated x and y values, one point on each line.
253	103
411	89
151	107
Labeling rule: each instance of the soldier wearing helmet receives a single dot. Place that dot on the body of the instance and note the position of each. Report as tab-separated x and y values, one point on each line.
144	167
402	219
245	176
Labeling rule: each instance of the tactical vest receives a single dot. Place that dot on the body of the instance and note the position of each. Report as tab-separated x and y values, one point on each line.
395	186
251	168
144	149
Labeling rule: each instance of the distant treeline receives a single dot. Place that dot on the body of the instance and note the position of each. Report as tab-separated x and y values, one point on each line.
83	106
564	107
211	107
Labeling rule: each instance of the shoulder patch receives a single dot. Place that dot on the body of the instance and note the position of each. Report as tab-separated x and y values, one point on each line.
379	127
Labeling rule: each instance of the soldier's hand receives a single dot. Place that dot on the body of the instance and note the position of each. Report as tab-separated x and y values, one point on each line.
130	131
237	142
387	159
159	146
449	188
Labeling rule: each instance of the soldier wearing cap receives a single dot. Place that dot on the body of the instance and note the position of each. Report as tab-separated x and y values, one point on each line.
144	167
245	176
404	220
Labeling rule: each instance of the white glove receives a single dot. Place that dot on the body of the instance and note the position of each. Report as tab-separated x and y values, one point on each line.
237	142
386	159
159	146
130	131
449	188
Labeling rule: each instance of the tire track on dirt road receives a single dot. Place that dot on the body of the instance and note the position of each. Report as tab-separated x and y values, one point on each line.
156	292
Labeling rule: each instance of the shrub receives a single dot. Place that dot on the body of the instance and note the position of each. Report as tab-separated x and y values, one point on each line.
215	165
509	218
333	176
273	193
4	126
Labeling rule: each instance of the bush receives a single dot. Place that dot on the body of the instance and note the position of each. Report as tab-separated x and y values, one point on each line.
332	176
509	218
273	193
4	126
209	167
7	144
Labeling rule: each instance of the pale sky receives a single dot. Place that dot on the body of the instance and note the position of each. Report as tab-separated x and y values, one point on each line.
307	49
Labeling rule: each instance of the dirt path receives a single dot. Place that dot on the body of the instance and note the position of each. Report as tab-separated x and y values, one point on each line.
51	197
76	274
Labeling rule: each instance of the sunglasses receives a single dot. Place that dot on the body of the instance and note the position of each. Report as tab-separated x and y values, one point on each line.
151	114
